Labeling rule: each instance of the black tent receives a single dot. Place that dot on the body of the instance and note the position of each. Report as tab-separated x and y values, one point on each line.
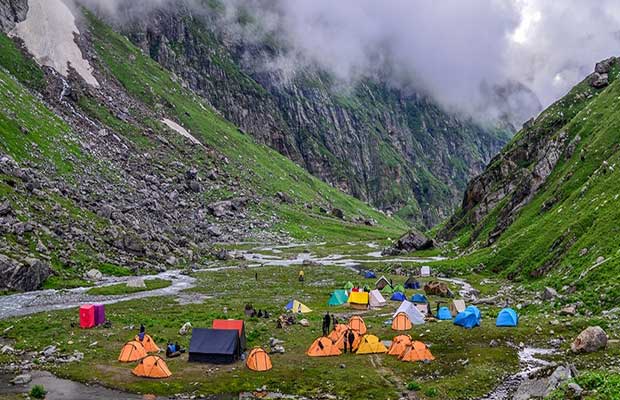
214	346
412	283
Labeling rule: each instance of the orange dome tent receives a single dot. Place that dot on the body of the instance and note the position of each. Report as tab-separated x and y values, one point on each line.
357	324
339	342
399	345
401	322
132	351
148	343
417	351
258	360
323	347
338	331
371	344
152	367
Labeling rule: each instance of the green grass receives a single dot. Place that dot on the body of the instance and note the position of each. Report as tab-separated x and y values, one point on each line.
31	132
371	377
24	69
122	288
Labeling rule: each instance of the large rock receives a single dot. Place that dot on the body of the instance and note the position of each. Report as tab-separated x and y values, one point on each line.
25	276
410	242
590	340
23	379
542	386
94	275
599	81
549	294
137	283
133	244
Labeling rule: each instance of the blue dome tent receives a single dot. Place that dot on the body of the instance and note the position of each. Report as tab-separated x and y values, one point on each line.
507	318
444	314
398	296
419	298
469	318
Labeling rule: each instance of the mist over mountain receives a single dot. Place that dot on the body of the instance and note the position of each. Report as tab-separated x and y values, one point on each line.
454	51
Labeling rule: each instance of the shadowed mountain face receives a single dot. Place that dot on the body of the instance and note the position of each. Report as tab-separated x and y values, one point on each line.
394	148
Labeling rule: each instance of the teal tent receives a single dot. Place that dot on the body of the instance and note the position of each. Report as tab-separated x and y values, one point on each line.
337	298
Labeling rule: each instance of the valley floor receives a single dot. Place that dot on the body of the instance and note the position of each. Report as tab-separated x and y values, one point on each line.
469	363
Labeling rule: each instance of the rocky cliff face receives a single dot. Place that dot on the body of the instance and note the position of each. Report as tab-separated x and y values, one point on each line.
495	200
399	151
12	12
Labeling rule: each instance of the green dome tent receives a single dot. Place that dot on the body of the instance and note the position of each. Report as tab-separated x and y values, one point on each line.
348	286
338	297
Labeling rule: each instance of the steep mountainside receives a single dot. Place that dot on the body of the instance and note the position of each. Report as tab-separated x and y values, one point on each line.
548	205
399	151
133	172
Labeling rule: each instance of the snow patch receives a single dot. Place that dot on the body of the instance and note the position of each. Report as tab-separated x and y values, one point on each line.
48	33
179	129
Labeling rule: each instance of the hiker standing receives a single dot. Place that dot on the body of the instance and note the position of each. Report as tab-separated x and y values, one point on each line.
351	338
334	320
256	276
142	332
301	275
326	321
345	341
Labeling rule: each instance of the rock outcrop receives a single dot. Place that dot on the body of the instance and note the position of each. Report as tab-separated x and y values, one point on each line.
410	242
22	276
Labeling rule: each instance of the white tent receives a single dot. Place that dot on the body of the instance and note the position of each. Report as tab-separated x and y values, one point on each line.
414	315
425	271
423	308
376	299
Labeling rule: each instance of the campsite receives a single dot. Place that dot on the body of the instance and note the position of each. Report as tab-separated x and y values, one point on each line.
468	363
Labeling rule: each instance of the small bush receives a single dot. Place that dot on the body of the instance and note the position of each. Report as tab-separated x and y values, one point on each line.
413	386
38	392
431	392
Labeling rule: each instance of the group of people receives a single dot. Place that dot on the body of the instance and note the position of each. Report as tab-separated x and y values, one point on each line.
327	322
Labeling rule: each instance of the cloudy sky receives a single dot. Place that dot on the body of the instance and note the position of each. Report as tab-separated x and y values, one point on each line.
450	48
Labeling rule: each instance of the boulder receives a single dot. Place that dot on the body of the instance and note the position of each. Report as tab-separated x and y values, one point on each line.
599	81
185	329
49	351
133	244
5	208
7	350
26	276
549	294
23	379
568	310
604	67
284	198
542	386
94	275
590	340
137	283
304	322
338	213
412	241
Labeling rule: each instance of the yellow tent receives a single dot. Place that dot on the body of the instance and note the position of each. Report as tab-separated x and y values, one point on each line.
371	344
299	307
358	300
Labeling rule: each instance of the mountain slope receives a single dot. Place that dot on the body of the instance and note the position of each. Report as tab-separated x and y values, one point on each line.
547	206
396	149
140	174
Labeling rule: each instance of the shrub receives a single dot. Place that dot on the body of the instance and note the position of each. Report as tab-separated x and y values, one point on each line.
431	392
413	386
38	392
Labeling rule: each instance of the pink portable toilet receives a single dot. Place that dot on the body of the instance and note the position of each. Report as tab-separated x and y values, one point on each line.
87	316
99	314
